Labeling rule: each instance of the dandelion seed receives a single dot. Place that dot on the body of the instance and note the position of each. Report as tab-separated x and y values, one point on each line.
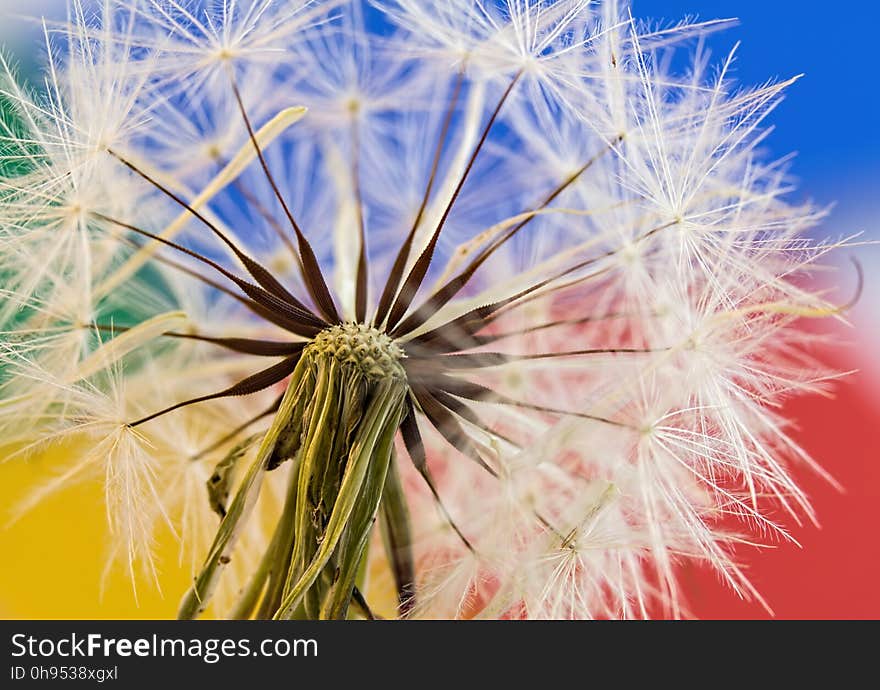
485	294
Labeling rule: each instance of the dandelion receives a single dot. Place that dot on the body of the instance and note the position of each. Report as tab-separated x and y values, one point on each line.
477	301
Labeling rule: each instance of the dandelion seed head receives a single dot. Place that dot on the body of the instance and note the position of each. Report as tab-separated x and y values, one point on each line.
528	293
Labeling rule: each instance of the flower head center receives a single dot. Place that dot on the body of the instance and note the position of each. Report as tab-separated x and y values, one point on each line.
368	348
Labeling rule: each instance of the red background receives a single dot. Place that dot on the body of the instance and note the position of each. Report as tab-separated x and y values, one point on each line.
836	573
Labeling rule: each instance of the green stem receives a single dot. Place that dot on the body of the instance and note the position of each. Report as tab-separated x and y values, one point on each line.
384	408
275	557
397	538
196	600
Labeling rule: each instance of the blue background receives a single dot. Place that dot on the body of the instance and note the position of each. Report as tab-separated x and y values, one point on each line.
831	117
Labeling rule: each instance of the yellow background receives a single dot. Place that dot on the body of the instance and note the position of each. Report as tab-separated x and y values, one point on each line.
54	556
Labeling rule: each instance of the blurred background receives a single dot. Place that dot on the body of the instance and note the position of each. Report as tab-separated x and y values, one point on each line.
53	558
830	120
